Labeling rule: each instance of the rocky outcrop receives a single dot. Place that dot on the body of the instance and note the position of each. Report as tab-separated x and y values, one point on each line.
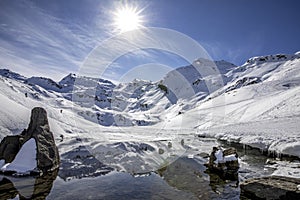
273	187
224	163
47	152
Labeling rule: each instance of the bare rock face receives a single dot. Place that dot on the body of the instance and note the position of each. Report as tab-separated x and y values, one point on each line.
47	152
9	147
268	188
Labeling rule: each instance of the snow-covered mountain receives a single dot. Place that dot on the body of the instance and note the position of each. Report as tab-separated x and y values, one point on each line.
257	104
196	78
260	81
137	103
144	103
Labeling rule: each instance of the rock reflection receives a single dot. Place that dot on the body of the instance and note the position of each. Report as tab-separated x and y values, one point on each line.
27	187
190	175
7	189
187	175
218	182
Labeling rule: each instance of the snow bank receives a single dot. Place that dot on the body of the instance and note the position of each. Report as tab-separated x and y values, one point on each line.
229	158
222	159
288	169
286	147
219	156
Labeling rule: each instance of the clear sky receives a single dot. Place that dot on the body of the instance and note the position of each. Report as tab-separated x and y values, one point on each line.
53	38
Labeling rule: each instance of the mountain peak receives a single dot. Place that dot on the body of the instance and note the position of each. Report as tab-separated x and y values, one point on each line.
68	80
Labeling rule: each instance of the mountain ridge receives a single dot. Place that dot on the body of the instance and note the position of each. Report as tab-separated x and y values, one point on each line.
143	103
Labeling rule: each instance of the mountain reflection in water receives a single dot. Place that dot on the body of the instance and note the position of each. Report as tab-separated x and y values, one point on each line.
183	179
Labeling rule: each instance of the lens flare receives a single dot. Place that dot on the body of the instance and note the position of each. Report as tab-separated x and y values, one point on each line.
128	18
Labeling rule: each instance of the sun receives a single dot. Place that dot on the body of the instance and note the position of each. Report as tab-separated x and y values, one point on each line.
127	18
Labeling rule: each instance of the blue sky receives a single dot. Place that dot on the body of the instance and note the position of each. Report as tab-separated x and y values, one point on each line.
53	38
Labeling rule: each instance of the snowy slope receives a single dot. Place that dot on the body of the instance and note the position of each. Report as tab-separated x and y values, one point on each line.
146	103
260	106
138	103
203	76
257	104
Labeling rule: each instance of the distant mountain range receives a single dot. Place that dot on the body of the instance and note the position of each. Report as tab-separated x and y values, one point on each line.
183	90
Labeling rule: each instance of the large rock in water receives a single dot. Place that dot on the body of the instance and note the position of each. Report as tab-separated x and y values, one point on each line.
224	163
47	152
273	187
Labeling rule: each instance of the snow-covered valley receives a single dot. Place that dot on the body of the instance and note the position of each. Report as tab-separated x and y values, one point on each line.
142	126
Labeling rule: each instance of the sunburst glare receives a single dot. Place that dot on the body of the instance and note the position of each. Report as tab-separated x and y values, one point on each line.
128	18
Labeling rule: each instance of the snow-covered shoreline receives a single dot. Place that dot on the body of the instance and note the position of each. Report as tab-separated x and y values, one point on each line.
279	137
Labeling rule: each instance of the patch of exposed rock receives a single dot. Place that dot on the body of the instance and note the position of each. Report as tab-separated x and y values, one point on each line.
274	187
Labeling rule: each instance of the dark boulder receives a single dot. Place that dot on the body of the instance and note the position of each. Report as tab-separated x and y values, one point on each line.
9	147
47	152
224	163
274	187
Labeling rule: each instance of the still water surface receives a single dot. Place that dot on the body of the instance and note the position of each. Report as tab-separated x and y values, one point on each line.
186	178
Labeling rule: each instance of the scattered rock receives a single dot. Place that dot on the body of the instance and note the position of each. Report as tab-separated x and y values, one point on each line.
161	151
270	162
203	155
201	136
274	187
182	142
47	152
